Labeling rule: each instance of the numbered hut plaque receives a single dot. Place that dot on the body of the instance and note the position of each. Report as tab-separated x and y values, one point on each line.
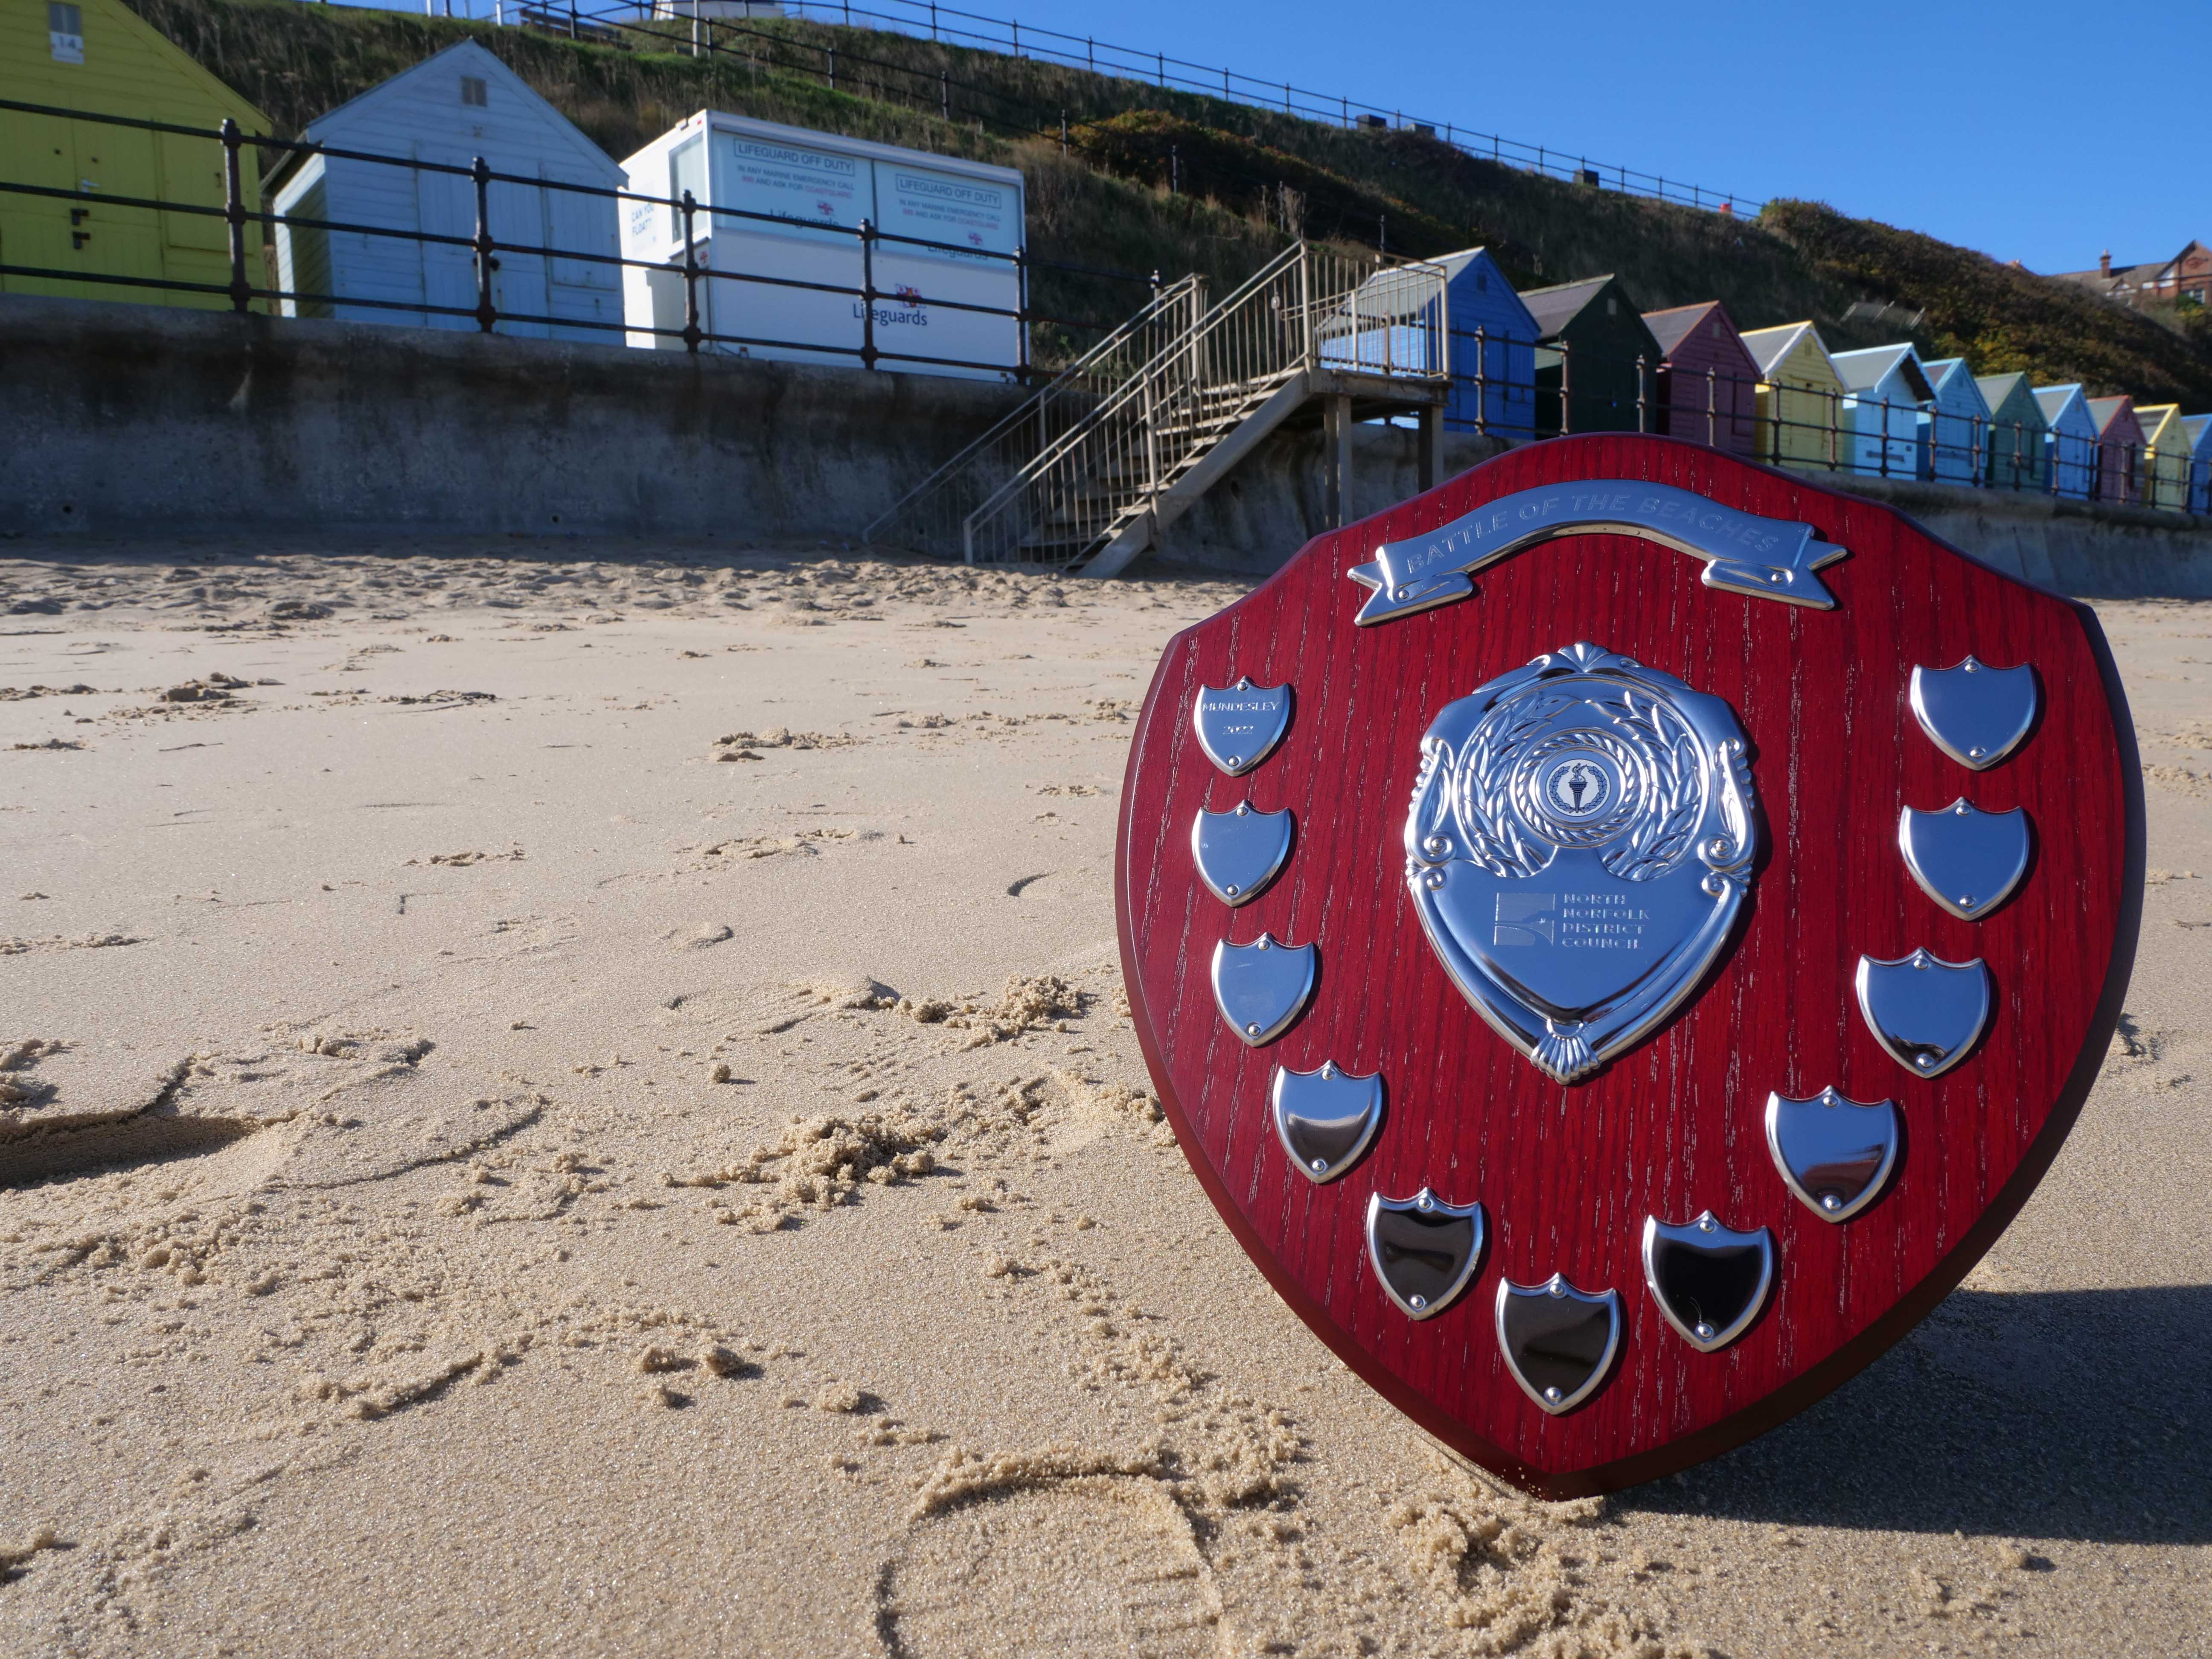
1710	895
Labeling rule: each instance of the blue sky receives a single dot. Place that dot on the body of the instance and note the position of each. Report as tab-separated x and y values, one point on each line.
2033	130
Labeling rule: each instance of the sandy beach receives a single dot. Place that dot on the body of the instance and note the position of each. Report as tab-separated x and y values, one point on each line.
573	1098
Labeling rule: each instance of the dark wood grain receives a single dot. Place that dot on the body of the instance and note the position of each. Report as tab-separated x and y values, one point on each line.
1673	1126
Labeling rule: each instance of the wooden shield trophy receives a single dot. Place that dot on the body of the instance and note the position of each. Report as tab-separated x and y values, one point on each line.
1620	934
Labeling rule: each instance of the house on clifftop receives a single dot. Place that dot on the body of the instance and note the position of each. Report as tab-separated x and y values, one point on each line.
2186	275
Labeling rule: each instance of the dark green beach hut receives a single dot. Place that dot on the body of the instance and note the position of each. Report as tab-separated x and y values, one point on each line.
2013	453
1594	357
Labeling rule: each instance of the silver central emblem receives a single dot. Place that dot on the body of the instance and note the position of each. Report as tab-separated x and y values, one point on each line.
1581	840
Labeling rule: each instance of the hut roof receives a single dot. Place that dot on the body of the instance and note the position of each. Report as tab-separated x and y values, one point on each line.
2055	400
2199	429
2104	410
1862	370
465	56
1998	389
1554	307
1675	325
1769	346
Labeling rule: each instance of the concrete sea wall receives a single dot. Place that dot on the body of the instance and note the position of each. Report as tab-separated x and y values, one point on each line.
138	422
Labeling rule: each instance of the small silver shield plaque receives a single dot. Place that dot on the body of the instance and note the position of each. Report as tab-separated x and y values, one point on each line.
1239	728
1975	714
1558	1342
1927	1012
1239	853
1263	987
1580	842
1325	1119
1423	1250
1966	860
1709	1280
1835	1154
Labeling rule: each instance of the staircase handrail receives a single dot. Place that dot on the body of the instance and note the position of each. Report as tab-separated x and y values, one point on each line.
1063	385
1183	345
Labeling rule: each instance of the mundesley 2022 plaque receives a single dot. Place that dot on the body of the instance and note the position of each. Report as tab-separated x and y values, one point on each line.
1620	935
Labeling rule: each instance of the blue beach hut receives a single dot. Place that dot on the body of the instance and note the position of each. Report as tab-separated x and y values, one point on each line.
2199	429
1884	387
2071	438
1955	423
450	108
1493	374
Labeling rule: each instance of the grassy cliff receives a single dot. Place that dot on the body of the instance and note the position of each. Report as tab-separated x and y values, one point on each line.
1128	177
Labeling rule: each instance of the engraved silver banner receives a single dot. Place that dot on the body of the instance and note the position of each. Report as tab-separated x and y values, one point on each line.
1744	553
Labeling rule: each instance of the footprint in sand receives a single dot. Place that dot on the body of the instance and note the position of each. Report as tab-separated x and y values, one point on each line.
1104	1566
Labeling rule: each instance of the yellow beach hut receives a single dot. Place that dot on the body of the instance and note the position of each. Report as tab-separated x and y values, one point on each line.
2167	457
1798	393
98	58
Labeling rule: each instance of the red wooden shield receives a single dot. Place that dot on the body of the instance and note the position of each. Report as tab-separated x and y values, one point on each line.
1673	1125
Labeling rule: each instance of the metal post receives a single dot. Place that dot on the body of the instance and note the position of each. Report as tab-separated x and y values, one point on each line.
933	19
233	213
1482	380
1336	440
832	50
1022	317
695	28
1306	307
1835	408
1712	431
1974	449
691	330
1643	403
1567	388
1162	68
868	295
487	314
945	92
1432	445
1017	27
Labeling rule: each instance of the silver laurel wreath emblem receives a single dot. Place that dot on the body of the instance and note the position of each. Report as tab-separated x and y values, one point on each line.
1581	840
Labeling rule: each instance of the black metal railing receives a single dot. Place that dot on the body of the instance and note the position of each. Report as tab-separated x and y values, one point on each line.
1569	390
485	246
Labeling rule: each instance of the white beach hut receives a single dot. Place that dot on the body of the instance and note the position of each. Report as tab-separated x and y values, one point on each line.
450	109
782	205
1956	424
1884	387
